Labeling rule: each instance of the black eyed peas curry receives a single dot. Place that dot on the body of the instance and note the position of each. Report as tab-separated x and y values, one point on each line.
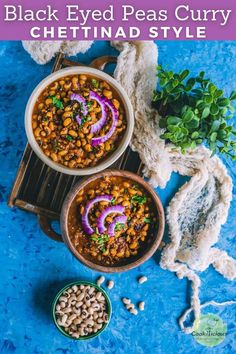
78	120
111	219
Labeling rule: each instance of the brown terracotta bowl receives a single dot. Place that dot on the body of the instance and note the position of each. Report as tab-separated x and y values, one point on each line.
152	243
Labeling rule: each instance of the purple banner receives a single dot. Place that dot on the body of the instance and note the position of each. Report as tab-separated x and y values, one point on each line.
118	20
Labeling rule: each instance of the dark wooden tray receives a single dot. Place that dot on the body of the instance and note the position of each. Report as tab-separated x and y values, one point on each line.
41	190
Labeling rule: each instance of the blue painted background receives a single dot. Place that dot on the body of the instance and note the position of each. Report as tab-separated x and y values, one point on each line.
34	267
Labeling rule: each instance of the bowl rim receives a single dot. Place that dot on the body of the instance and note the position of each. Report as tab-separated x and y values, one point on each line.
81	282
65	211
125	139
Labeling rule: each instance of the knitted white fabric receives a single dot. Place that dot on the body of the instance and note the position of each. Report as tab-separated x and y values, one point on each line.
43	51
200	207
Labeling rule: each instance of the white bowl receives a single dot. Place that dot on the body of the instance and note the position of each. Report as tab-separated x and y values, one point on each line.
108	161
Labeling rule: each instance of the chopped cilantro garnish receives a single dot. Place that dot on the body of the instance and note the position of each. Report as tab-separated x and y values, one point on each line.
113	201
95	83
147	220
119	226
140	199
90	105
69	138
57	103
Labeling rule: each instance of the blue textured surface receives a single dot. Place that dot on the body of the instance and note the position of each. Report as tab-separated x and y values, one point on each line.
34	267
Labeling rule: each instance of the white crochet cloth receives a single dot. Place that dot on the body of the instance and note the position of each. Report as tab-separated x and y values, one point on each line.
200	207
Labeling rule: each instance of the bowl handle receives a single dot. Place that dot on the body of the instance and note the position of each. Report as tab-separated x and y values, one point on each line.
46	225
101	62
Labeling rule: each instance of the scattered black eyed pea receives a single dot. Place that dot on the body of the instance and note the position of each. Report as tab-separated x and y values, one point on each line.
107	146
116	103
48	101
110	284
83	77
34	125
115	193
129	306
40	106
54	156
67	86
81	135
64	131
142	279
88	147
37	132
133	245
107	94
141	305
105	84
126	301
73	133
100	280
67	109
75	81
52	93
67	122
132	191
67	114
81	82
133	312
126	203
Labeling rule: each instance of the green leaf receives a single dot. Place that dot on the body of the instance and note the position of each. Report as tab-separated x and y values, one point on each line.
195	135
211	88
188	116
214	109
205	112
163	81
202	74
232	95
223	102
215	125
184	74
213	137
208	99
172	120
218	93
194	123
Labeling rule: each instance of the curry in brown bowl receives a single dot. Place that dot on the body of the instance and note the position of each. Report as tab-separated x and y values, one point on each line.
113	221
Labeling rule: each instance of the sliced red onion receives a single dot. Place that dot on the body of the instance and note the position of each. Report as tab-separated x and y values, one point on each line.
85	221
96	127
119	209
79	120
102	139
119	219
82	101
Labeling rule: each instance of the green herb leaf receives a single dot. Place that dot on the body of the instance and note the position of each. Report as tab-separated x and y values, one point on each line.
119	226
57	103
147	220
69	138
140	199
113	201
95	83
